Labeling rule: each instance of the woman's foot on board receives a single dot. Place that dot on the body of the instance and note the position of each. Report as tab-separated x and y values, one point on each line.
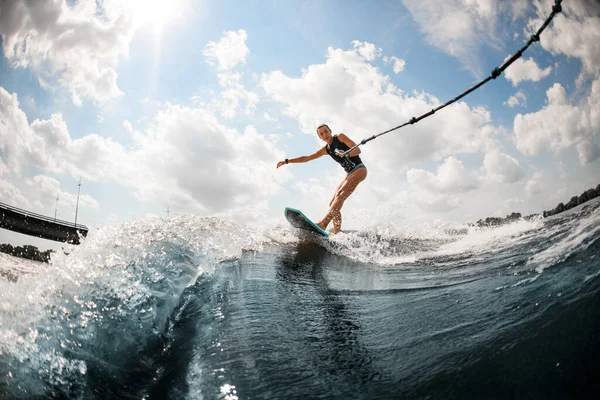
321	225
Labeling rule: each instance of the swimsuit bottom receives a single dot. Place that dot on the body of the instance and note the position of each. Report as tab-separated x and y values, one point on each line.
359	166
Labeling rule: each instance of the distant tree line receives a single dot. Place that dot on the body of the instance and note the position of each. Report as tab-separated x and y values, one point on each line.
493	221
27	251
575	201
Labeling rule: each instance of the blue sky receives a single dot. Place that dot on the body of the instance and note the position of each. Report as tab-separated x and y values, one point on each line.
189	105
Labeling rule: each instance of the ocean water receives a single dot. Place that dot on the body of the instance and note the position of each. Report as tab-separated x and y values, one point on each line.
200	308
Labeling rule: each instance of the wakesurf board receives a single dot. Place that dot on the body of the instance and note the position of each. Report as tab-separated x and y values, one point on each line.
301	221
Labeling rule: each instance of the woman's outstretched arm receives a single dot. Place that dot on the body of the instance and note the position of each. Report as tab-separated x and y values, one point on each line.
319	153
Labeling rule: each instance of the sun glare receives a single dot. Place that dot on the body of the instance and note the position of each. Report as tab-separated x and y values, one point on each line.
156	13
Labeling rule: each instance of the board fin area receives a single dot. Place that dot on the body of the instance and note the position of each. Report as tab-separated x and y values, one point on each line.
298	220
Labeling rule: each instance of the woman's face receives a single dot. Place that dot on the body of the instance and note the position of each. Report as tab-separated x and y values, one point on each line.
324	134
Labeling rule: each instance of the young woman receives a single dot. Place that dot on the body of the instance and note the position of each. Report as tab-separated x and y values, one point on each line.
356	172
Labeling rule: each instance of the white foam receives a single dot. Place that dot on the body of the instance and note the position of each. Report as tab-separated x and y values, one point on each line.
479	240
409	244
578	238
12	267
592	276
113	273
526	280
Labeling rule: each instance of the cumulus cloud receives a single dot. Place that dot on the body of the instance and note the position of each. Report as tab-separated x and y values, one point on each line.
588	152
525	70
518	99
534	186
560	125
354	97
78	45
207	166
47	145
12	195
451	177
368	50
459	27
15	139
229	100
229	51
48	189
574	32
40	193
128	127
3	168
435	202
519	8
268	117
502	168
186	158
399	63
439	191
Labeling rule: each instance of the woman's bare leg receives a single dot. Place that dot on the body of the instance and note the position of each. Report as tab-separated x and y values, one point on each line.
343	192
337	189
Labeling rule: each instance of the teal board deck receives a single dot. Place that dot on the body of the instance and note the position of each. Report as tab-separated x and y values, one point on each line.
298	220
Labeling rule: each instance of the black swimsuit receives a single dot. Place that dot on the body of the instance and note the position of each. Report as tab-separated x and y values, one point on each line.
348	163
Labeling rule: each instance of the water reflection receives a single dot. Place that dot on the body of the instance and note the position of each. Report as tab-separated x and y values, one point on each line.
334	332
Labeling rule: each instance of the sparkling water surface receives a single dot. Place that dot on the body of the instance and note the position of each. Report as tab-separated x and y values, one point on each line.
200	308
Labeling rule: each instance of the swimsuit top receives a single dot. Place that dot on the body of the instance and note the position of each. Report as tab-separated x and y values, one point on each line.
348	163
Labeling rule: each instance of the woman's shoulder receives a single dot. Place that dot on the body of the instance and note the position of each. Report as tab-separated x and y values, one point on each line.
342	137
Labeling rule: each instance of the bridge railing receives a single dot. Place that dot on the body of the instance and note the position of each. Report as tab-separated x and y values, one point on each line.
43	217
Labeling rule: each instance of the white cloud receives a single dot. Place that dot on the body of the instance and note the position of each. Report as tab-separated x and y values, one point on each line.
3	168
79	45
574	32
559	125
46	144
268	117
368	50
525	70
15	139
12	195
39	194
451	177
588	152
458	27
435	202
533	186
48	189
398	64
228	52
313	189
519	8
128	127
439	191
207	167
186	158
227	102
518	99
502	168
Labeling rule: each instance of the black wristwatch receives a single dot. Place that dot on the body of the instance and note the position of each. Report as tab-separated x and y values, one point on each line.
287	161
